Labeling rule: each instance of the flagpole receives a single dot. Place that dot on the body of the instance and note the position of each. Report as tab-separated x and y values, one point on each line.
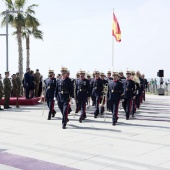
112	52
113	46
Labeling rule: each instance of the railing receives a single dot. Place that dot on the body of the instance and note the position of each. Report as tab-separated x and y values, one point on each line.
153	89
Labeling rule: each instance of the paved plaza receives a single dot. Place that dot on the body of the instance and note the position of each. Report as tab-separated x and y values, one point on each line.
29	141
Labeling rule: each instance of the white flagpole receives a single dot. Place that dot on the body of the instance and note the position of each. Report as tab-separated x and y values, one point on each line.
112	44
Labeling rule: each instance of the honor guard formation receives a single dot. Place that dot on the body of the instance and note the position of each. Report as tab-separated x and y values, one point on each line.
105	93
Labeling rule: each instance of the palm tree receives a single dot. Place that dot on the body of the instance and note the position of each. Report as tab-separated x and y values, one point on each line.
16	21
30	28
21	22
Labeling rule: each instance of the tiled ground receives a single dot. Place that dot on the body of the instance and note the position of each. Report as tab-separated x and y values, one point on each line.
29	141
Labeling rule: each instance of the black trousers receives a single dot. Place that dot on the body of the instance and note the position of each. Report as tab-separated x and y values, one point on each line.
50	104
114	104
82	106
97	101
64	108
27	91
128	106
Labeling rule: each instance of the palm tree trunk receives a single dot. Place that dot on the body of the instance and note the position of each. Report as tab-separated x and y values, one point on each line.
20	52
28	51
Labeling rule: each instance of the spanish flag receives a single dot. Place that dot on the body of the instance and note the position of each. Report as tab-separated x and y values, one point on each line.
116	32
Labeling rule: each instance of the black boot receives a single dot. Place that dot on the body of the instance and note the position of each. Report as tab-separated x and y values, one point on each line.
49	116
53	113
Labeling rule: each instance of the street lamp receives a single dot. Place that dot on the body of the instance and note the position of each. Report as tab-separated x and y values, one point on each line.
7	20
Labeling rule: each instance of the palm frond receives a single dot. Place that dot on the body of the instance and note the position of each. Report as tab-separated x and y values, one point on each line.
19	4
30	9
38	34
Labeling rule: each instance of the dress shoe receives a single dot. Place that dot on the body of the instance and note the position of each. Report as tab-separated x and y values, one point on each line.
64	126
76	111
80	120
114	123
95	116
84	117
49	118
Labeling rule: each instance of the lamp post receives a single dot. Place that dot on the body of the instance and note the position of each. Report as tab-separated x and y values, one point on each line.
7	20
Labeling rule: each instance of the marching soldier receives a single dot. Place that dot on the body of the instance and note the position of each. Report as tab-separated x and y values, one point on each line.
7	90
1	90
64	94
103	99
97	85
121	76
91	87
137	83
50	85
50	91
129	89
145	85
108	78
73	83
141	89
115	91
88	100
15	89
83	93
37	82
75	92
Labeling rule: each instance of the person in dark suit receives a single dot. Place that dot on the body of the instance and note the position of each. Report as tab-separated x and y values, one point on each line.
64	94
97	85
115	91
32	84
27	82
83	93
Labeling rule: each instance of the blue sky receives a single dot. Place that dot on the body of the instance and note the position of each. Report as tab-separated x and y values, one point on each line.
77	34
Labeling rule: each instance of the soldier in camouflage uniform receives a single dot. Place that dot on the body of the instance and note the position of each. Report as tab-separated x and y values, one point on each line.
15	89
37	82
19	84
7	90
1	90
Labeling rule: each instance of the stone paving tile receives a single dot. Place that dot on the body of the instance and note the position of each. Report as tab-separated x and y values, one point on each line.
140	143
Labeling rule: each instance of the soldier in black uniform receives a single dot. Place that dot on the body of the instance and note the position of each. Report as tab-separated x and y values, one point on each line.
109	77
75	92
50	84
83	93
88	100
64	94
91	87
129	90
115	91
103	98
97	85
141	89
121	76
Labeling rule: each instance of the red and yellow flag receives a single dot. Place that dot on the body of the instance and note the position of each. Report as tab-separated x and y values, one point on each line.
116	32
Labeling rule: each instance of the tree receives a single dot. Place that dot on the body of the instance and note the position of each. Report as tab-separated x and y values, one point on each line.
25	24
16	21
